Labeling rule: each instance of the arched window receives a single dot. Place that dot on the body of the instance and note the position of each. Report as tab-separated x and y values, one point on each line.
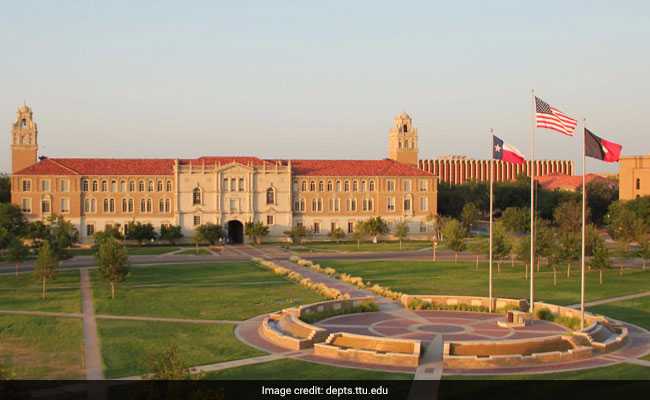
363	186
312	186
159	186
355	186
329	186
143	205
338	186
321	186
149	205
112	205
371	186
303	186
196	196
270	196
161	205
346	186
168	205
313	205
150	186
141	186
131	186
130	205
169	186
113	186
405	128
84	185
105	205
125	206
638	183
104	186
94	186
122	186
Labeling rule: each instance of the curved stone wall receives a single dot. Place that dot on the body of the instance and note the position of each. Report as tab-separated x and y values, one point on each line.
499	304
286	330
370	350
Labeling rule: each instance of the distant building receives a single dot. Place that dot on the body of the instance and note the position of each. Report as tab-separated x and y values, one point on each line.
634	177
572	183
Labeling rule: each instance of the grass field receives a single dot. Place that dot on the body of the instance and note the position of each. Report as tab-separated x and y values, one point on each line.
614	372
132	250
128	346
362	247
424	277
289	369
193	252
41	347
235	291
636	311
24	293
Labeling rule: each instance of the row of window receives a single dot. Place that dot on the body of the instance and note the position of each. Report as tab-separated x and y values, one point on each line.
367	204
46	205
124	186
357	186
46	185
316	227
128	206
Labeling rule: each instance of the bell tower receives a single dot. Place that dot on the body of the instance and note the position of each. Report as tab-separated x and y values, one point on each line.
403	140
24	140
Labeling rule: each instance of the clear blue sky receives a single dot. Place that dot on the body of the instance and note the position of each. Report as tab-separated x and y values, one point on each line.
301	79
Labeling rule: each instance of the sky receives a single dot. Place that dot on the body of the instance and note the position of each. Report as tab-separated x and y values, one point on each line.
299	79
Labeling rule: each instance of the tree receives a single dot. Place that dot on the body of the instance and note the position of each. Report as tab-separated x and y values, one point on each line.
46	267
197	239
516	219
12	219
296	234
337	234
501	246
107	234
256	231
453	235
37	231
623	224
360	232
112	262
169	366
17	252
5	188
401	231
600	195
644	249
62	235
375	227
171	233
5	238
470	216
140	232
211	233
568	216
600	253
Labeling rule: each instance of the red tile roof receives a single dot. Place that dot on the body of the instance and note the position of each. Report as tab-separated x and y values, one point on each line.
100	166
568	182
384	167
244	160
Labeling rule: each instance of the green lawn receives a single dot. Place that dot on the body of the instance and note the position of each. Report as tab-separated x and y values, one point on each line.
362	247
132	250
425	277
41	347
235	291
636	311
646	357
202	251
128	346
614	372
289	369
24	293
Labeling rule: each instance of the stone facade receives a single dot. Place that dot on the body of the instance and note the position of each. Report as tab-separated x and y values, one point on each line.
321	195
634	177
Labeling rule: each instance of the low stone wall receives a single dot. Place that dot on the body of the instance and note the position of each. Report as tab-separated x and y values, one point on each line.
512	353
330	305
499	304
370	350
569	312
605	336
286	330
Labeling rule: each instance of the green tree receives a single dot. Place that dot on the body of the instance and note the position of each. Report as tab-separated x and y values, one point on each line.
401	231
600	195
46	267
62	235
624	224
212	233
17	253
168	366
360	232
375	227
337	234
171	233
453	235
501	244
5	188
37	231
140	232
107	234
296	234
197	239
516	219
112	263
600	253
5	238
568	216
644	249
256	231
12	219
470	216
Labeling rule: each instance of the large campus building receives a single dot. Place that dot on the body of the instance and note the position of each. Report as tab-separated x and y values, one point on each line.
634	177
96	193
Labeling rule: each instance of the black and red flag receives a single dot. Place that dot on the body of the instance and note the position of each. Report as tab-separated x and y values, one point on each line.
601	149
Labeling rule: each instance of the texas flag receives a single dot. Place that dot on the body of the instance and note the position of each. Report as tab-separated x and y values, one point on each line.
505	152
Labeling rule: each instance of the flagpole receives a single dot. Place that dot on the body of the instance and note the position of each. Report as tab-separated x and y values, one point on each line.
491	212
584	228
532	208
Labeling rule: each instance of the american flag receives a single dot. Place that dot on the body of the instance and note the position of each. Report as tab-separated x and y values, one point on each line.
552	118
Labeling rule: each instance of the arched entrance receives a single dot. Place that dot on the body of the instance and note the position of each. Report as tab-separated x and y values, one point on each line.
235	232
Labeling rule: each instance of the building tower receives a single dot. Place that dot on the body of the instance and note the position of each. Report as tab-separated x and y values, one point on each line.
24	140
403	140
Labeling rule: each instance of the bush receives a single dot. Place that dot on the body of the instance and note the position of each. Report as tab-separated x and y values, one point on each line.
545	314
318	316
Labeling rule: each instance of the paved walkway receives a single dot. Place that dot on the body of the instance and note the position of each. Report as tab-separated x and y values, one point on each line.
612	300
92	352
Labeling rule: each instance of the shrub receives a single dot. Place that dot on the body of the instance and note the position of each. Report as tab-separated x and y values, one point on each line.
318	316
545	314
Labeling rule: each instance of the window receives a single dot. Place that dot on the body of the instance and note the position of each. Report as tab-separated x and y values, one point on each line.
90	205
65	205
270	196
329	186
346	186
104	186
316	227
150	186
269	219
169	186
390	185
303	186
312	186
332	226
131	186
159	186
321	186
233	185
390	203
196	196
197	220
338	186
111	205
130	205
225	184
26	205
367	205
423	227
350	227
406	185
90	229
161	205
168	205
638	183
424	203
113	186
234	205
242	187
141	186
143	205
355	186
64	185
27	185
105	205
84	185
317	205
125	205
407	204
122	186
45	185
352	205
363	186
95	187
371	186
301	206
424	185
46	206
149	206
